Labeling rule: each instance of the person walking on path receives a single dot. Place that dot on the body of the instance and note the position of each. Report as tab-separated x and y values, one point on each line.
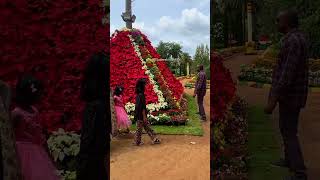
200	91
141	115
290	90
31	142
96	123
123	121
9	164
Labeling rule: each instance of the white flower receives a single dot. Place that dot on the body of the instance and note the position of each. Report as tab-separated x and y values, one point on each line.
161	103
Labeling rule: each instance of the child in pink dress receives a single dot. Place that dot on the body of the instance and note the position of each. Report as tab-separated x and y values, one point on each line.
123	121
30	139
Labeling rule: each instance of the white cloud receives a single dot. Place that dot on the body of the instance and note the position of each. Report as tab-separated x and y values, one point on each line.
190	29
196	3
191	21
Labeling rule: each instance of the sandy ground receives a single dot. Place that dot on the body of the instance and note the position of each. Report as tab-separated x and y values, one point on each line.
309	120
175	159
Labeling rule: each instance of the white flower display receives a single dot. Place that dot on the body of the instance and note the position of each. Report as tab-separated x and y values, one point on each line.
161	100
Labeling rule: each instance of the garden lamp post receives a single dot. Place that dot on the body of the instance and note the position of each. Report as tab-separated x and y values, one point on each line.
127	15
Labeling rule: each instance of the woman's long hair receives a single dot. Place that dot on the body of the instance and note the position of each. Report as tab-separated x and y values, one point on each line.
95	80
140	86
5	95
118	90
28	90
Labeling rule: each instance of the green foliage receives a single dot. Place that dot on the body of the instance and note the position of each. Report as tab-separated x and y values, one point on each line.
169	49
64	147
193	127
189	85
264	146
202	57
309	12
184	59
264	75
161	119
68	175
218	136
260	75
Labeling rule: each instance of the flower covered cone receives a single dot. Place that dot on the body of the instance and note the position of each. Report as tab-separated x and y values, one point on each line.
133	57
55	47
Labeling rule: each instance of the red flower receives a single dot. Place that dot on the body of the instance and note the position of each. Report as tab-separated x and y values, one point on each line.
53	46
126	69
222	89
174	85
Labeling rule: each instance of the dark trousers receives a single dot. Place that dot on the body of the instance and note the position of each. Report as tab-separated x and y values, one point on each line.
288	123
146	126
200	105
93	168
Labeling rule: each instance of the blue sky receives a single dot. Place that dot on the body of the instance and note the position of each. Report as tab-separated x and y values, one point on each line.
183	21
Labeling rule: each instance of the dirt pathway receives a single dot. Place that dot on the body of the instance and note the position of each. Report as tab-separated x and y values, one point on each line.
309	121
174	159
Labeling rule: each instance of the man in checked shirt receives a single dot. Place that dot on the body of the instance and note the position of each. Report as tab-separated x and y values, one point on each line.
200	91
290	90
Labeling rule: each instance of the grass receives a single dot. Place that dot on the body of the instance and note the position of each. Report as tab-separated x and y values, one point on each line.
193	126
264	147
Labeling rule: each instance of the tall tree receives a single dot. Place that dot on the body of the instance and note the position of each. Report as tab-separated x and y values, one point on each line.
202	57
163	50
169	49
185	58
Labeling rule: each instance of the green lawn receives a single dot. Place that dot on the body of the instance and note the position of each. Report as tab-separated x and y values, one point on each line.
264	147
193	126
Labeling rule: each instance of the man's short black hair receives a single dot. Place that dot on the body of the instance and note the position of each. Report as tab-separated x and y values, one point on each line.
293	17
201	67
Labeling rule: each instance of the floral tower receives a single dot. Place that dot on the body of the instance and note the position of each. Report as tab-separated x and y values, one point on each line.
133	57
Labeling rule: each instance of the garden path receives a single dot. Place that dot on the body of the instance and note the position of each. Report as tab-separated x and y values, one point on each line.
175	159
309	121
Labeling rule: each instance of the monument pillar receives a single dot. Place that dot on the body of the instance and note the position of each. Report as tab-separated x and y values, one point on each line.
127	15
249	16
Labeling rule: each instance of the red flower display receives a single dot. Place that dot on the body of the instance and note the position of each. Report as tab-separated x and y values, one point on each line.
126	68
52	40
174	85
222	89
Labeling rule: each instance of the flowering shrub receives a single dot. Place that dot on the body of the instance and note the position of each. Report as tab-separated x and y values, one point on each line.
53	41
64	148
174	85
228	124
222	89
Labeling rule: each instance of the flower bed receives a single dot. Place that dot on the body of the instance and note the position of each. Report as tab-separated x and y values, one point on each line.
45	39
191	84
133	57
261	69
264	76
223	88
229	160
228	52
228	124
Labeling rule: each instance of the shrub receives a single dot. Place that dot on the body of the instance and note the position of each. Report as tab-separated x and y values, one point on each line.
64	147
